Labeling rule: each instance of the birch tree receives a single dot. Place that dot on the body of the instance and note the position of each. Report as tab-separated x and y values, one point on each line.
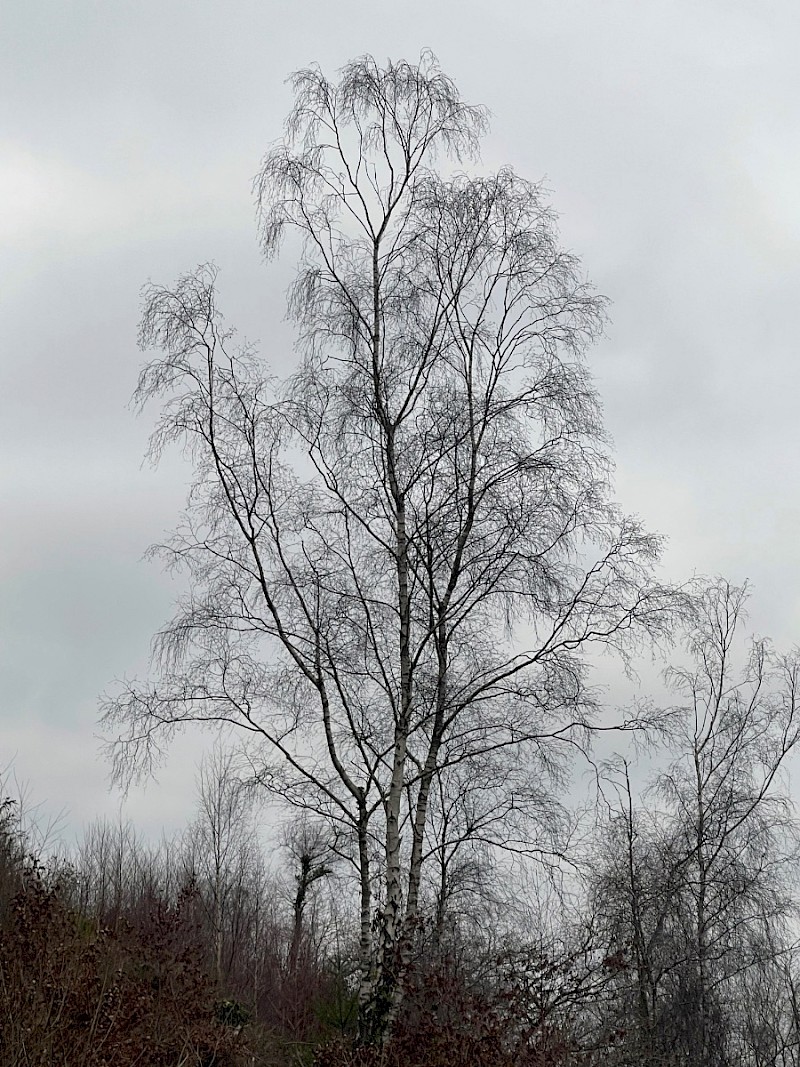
398	554
738	722
697	892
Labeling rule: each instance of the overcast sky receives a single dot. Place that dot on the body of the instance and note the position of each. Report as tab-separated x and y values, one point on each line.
669	133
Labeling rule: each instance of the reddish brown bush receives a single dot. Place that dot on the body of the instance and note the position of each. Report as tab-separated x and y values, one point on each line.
448	1020
72	993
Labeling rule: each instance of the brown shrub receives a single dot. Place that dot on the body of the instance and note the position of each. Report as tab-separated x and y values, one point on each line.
72	993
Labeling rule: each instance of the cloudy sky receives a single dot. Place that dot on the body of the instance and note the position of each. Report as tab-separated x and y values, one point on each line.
669	133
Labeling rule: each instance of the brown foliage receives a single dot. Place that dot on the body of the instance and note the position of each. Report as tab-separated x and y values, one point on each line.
72	992
448	1020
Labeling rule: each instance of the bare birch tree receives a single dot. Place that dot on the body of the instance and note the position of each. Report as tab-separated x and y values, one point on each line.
696	892
738	722
397	555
